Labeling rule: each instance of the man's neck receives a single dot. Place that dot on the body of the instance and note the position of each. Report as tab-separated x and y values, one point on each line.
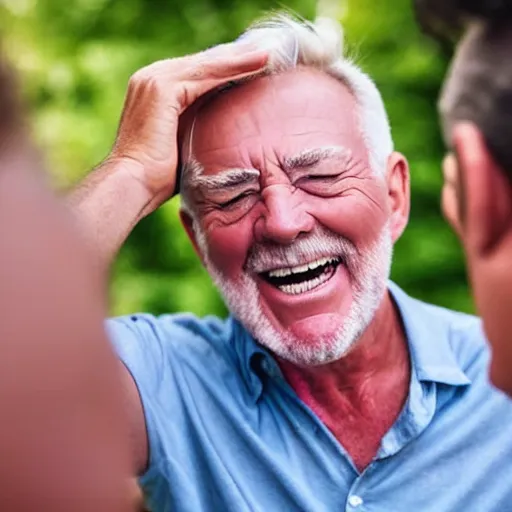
360	396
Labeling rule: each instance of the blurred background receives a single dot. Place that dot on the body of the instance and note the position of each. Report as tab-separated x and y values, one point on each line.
76	57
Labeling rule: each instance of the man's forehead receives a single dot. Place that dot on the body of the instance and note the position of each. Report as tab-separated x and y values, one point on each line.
284	113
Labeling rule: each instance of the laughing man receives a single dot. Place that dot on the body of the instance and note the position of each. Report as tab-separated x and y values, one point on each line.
328	388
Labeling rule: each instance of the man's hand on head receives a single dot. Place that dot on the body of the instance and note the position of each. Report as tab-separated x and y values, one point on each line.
157	95
140	173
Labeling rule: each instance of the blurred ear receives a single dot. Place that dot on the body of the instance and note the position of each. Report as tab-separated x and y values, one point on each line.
452	196
487	194
398	193
188	224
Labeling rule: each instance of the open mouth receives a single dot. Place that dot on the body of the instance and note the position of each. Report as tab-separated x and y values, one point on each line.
302	278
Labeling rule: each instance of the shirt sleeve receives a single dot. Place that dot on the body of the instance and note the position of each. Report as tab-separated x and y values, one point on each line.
184	368
137	343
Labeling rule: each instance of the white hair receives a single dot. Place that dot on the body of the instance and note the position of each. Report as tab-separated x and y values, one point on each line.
291	42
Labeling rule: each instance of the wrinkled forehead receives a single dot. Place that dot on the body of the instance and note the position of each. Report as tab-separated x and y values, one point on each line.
273	117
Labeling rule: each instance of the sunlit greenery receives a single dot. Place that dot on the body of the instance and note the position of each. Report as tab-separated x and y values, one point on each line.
75	59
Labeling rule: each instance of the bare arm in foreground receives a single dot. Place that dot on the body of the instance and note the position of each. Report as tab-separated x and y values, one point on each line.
63	439
140	173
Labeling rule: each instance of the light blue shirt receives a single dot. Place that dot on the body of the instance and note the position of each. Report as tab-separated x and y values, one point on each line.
227	433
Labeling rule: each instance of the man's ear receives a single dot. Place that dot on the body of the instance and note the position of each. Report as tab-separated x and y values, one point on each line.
398	193
452	195
487	201
188	224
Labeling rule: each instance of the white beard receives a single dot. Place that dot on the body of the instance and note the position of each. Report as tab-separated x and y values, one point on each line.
368	272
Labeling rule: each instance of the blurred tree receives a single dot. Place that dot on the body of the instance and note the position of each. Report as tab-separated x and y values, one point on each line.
77	57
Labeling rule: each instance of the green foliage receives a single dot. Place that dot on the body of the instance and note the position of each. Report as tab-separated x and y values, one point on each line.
75	59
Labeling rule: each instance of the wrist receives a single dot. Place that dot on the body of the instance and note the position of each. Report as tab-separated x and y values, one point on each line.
134	175
127	177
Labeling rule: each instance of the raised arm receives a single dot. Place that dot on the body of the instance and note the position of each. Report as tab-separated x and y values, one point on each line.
140	173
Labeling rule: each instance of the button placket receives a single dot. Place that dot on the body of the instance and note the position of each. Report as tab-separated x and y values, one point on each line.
355	501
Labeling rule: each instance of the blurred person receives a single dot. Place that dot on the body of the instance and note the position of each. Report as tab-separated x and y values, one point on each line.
476	114
327	388
63	436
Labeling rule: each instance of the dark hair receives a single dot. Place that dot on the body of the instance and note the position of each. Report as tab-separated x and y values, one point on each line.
445	19
479	85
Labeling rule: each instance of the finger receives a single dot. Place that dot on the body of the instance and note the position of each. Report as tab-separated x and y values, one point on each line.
224	50
198	65
203	79
195	76
229	67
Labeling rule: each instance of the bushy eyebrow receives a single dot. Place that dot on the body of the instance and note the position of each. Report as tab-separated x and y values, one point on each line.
230	178
239	177
311	157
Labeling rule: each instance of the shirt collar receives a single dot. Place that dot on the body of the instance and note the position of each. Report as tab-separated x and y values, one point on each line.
427	331
255	362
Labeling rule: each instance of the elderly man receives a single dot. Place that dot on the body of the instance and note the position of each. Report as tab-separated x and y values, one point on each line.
328	388
476	110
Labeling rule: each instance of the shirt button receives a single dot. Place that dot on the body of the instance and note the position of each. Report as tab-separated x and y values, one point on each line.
355	501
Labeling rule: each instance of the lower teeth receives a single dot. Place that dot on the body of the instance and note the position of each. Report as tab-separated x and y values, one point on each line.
306	286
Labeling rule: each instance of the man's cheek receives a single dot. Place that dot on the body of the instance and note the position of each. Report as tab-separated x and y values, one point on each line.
493	296
359	221
228	251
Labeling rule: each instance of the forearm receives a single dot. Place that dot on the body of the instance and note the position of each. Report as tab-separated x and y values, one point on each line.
107	205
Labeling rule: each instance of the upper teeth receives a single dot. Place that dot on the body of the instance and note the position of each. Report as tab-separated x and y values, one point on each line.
282	272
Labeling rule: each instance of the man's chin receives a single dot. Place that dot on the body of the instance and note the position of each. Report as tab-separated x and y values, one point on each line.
310	341
307	332
316	330
308	357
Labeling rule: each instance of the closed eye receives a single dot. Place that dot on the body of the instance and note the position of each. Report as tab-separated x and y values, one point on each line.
235	200
319	177
321	184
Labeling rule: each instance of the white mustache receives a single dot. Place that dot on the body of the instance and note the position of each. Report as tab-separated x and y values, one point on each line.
320	244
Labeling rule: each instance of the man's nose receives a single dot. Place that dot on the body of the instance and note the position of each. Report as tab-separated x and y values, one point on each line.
284	216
